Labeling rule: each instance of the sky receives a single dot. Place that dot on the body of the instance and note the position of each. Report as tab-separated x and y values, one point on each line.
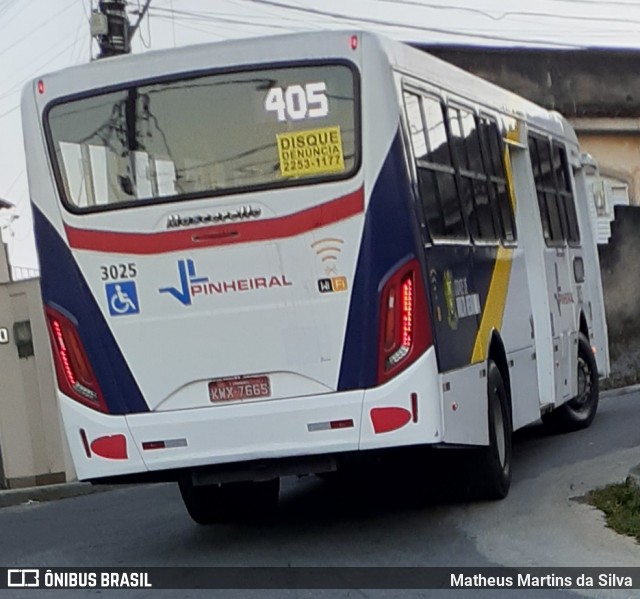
40	36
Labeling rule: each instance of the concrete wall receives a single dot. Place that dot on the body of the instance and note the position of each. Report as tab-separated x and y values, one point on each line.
620	270
32	448
597	89
591	82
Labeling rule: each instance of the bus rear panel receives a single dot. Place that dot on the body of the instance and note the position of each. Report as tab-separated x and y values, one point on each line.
229	261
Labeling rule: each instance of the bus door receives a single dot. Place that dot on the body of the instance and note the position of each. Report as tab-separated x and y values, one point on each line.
590	291
573	298
553	190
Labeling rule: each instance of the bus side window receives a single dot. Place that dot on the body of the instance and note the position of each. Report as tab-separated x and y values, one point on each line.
542	164
436	175
474	193
566	200
493	152
416	126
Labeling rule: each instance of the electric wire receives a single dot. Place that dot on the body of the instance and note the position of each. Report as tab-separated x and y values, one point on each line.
344	18
511	13
220	17
39	69
36	29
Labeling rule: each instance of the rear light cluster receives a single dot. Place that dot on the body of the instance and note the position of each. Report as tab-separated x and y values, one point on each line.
405	331
73	369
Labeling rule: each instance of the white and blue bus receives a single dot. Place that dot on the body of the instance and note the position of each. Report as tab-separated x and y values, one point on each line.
263	257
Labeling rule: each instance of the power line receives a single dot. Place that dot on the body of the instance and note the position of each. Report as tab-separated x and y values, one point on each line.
510	13
37	28
9	111
191	27
448	32
6	10
598	2
75	41
224	17
8	191
475	33
42	66
230	22
134	28
173	27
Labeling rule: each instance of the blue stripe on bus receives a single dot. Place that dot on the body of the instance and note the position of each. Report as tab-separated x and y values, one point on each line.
63	285
390	237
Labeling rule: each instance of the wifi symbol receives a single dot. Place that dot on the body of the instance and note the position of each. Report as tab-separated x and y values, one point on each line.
328	248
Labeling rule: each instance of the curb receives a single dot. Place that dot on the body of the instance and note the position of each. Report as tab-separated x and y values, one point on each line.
10	497
634	473
619	391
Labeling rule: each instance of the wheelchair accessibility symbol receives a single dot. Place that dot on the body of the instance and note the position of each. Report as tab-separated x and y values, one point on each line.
122	298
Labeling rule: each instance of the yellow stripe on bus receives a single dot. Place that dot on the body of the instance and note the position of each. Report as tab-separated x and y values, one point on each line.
499	285
494	306
509	176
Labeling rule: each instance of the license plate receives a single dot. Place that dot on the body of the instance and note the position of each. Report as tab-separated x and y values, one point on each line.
239	387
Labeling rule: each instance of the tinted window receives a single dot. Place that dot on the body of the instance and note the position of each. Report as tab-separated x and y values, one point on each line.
500	198
416	125
461	172
206	135
440	203
439	152
565	192
472	175
437	183
553	187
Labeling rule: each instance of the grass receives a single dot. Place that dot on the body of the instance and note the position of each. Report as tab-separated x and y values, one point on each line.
620	503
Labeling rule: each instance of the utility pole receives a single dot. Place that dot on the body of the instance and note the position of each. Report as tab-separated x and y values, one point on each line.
111	28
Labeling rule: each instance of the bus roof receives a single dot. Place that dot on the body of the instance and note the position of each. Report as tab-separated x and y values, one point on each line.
333	44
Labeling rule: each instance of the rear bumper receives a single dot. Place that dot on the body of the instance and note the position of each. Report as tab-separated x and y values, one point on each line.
382	417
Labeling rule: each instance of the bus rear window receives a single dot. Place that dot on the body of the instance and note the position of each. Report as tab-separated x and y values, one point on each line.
205	135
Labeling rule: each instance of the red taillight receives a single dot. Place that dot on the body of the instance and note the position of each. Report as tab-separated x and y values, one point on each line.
405	332
73	369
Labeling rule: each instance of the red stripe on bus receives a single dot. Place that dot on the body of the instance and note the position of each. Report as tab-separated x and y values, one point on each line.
171	241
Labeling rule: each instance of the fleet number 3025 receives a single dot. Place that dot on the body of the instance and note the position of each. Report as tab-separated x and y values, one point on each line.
113	272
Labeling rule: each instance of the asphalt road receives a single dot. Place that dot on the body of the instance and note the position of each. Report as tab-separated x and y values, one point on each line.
541	523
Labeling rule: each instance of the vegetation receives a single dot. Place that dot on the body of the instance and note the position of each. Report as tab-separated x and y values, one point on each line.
621	505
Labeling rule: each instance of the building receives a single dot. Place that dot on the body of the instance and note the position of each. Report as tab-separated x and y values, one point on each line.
596	89
32	446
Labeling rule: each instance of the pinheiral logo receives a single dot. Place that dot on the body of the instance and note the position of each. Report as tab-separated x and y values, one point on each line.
192	285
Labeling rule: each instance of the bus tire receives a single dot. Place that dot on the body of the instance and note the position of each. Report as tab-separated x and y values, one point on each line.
492	468
579	412
229	502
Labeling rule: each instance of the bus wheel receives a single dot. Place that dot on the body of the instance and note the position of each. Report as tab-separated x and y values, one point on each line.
579	412
492	469
229	502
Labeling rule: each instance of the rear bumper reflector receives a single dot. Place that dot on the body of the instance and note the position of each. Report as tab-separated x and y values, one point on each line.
385	420
168	444
112	447
312	427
